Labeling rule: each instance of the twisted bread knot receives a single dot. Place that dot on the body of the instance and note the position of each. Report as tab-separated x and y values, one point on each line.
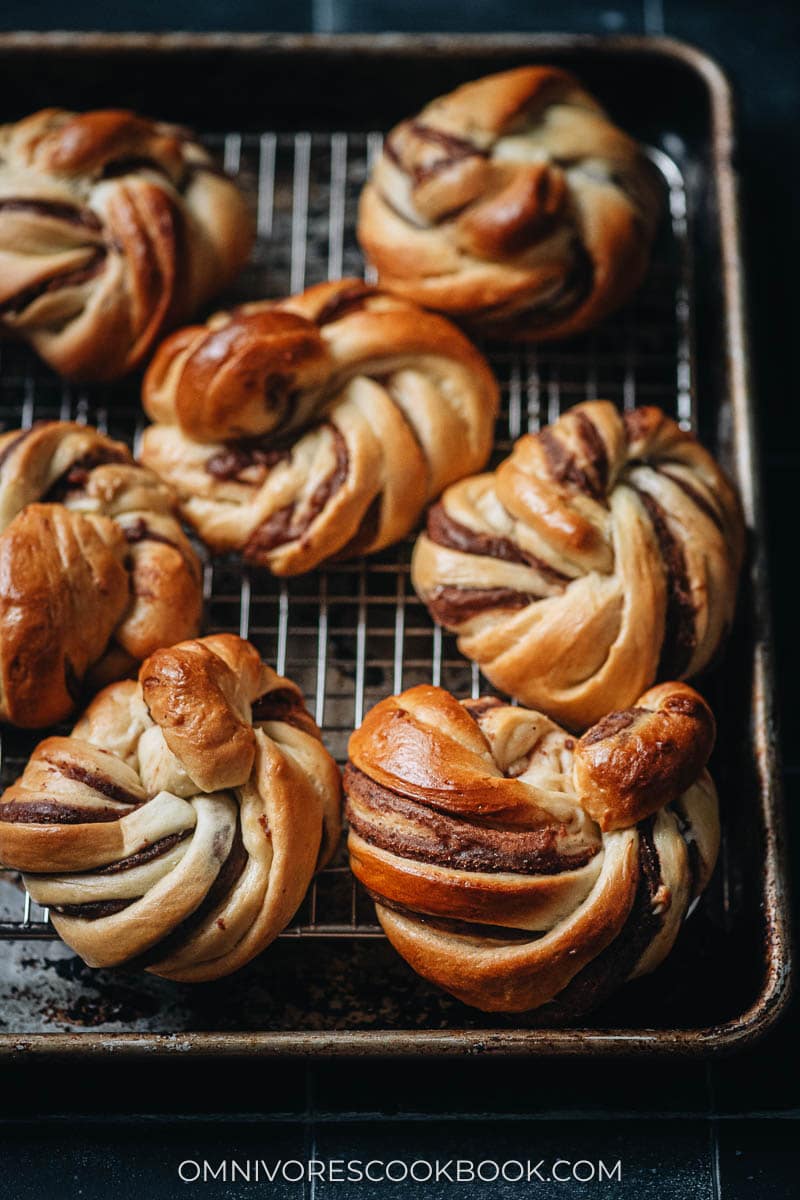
514	203
95	570
514	866
602	554
112	229
180	824
318	426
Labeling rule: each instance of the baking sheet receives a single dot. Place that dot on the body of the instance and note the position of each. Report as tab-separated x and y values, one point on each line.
354	633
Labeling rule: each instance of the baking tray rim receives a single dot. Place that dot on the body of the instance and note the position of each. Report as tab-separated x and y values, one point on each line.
770	1004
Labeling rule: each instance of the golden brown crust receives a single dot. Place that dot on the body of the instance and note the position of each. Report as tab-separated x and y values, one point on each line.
95	570
513	203
633	762
318	426
113	228
473	827
603	553
199	693
51	634
176	829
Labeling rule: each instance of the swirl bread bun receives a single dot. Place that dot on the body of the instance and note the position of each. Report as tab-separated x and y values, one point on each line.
513	204
113	228
516	867
316	427
178	827
95	570
601	555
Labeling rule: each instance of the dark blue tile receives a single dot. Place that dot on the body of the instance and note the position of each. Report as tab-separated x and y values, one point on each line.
158	1086
278	15
132	1160
759	1160
337	16
587	1089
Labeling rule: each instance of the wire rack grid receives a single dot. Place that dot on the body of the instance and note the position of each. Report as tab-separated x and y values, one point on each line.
355	632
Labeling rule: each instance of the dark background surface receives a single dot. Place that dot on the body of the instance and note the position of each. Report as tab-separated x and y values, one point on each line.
727	1129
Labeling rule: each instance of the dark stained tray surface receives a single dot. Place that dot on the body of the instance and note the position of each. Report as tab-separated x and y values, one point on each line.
298	118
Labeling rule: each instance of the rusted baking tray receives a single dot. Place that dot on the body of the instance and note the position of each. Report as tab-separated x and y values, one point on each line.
298	119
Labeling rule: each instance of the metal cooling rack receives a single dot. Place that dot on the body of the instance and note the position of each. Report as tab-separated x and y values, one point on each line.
355	632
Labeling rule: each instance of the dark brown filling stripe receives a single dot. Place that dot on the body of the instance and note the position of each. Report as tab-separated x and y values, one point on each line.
147	854
476	708
346	301
648	857
283	526
613	965
679	632
95	781
70	278
452	606
45	812
454	150
612	723
502	933
693	494
564	466
595	451
140	531
15	442
52	208
229	873
442	841
444	530
93	910
281	705
76	475
231	462
454	145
